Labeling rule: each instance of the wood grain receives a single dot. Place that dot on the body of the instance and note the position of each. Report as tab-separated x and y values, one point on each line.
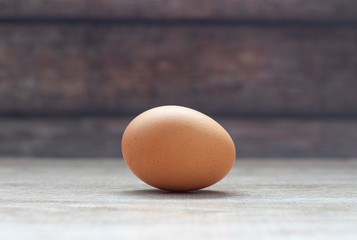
321	10
101	137
275	199
124	69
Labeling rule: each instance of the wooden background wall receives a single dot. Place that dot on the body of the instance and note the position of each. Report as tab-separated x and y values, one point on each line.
280	75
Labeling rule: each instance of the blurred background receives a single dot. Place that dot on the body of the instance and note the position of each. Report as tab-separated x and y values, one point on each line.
279	75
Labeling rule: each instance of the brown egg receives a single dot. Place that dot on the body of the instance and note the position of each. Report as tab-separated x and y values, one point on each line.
177	149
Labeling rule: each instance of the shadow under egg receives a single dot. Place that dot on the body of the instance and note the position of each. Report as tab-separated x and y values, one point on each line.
197	194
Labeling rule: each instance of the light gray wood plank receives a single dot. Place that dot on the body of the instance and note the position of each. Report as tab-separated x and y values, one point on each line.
101	199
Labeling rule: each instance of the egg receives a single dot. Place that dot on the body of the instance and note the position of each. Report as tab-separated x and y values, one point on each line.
176	148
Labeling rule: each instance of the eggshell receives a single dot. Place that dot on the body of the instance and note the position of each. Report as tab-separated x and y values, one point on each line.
176	148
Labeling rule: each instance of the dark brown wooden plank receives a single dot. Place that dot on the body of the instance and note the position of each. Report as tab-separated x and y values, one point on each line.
101	137
111	69
198	9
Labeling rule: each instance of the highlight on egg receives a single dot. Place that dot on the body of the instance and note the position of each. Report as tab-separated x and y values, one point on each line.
176	148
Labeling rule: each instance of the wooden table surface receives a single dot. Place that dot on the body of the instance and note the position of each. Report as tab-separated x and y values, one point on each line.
102	199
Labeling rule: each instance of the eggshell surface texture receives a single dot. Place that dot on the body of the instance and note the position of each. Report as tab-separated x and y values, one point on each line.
177	149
